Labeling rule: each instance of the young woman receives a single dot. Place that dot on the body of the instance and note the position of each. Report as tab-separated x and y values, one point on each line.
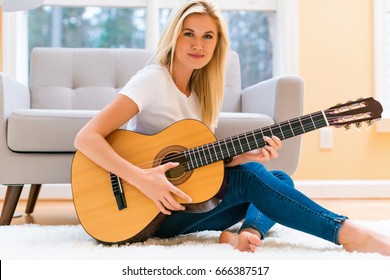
187	81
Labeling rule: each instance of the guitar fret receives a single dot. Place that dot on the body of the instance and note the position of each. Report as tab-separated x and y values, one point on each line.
296	126
264	132
196	152
308	123
234	148
260	141
313	122
292	130
187	154
288	131
320	120
227	149
210	153
303	128
200	157
204	155
254	140
254	137
210	156
195	157
239	147
219	153
281	130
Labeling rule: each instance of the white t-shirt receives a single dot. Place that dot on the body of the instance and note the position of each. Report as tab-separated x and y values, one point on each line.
159	101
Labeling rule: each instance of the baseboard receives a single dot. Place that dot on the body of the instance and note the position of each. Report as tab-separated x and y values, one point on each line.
345	188
312	188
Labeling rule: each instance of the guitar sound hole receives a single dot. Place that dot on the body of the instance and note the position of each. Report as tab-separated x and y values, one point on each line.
180	170
179	174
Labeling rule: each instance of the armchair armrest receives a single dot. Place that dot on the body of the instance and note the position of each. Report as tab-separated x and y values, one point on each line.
281	98
13	96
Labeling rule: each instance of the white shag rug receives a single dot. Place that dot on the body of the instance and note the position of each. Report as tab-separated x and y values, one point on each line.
71	242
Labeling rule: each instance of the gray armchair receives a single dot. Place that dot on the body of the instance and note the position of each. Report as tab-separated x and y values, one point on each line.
69	86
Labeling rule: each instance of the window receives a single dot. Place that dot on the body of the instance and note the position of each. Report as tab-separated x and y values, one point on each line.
92	27
250	34
382	60
256	30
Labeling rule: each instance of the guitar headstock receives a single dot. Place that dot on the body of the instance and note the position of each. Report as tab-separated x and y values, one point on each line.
354	112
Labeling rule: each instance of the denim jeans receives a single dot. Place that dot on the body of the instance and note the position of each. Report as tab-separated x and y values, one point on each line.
261	198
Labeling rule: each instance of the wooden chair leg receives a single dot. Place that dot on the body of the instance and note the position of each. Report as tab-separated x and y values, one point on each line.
10	202
32	197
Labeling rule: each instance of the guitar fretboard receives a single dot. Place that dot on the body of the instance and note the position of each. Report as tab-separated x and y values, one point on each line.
242	143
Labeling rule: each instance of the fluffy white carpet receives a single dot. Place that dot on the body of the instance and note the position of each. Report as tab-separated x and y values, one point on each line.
72	242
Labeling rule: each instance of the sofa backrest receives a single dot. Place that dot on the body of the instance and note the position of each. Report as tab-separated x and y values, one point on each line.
88	79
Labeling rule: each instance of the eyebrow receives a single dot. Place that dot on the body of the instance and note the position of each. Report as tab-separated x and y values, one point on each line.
189	29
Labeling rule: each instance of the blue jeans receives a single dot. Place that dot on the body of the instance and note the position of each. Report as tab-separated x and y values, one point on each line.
261	198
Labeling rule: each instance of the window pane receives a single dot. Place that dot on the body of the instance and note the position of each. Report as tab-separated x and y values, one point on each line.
164	15
93	27
250	35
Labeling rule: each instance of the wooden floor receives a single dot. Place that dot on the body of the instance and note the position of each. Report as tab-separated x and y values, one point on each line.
62	212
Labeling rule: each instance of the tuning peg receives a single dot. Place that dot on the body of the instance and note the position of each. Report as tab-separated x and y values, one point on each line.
347	126
370	122
358	125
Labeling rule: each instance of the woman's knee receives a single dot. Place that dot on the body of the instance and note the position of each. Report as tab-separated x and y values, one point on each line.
260	170
283	176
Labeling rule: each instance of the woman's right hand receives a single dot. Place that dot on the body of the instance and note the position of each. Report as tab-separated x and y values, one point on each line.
155	185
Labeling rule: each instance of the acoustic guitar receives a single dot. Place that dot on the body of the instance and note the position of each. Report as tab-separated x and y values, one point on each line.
114	212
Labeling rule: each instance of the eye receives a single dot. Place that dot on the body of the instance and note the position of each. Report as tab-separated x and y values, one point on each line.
208	36
188	34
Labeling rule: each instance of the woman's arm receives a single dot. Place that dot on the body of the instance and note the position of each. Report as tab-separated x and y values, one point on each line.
91	142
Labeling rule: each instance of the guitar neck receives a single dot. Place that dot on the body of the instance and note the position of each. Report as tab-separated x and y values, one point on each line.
251	140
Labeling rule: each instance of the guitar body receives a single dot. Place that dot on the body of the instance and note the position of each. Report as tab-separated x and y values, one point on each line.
93	196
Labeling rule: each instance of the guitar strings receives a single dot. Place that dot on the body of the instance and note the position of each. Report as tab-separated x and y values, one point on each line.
196	151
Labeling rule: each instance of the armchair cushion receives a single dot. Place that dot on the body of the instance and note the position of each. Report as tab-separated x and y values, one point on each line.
45	131
230	124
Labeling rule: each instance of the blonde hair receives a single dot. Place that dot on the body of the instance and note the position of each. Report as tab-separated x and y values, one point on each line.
209	81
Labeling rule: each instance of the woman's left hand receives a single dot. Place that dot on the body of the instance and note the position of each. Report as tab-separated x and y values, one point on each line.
263	154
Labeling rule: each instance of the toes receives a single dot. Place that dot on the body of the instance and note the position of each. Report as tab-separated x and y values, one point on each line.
254	240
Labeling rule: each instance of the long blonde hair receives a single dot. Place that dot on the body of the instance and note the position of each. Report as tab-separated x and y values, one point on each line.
209	81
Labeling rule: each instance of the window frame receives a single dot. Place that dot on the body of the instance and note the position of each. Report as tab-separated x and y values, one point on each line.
285	58
381	76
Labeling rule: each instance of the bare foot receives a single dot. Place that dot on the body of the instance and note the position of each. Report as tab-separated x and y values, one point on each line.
355	237
245	241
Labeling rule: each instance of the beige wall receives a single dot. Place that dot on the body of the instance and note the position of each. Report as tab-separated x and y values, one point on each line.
1	40
336	61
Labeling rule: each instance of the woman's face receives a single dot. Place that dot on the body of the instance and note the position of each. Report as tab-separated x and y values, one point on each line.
196	43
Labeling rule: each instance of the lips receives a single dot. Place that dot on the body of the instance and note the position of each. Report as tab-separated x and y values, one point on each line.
196	55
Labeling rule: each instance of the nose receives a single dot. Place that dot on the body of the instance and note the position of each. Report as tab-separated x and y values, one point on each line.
197	45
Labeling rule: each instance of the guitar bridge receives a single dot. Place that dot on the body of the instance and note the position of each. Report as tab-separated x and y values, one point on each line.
118	191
